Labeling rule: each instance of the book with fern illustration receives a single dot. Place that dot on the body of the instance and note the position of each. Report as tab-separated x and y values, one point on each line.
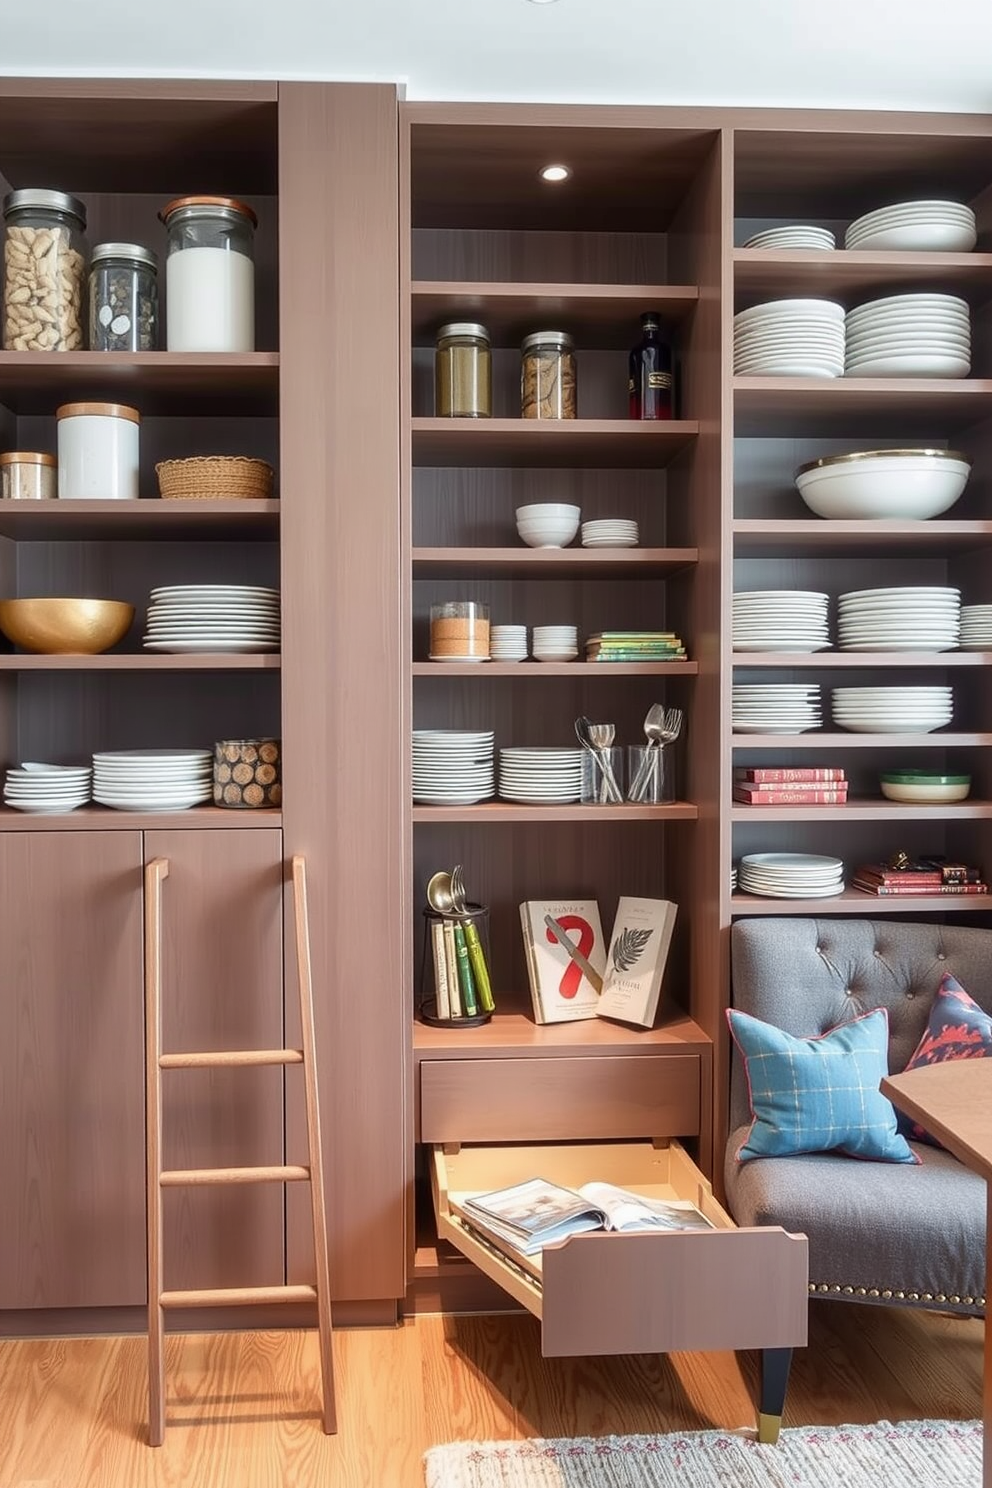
635	961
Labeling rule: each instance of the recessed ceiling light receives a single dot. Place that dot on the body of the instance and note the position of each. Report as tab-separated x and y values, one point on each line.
555	173
542	2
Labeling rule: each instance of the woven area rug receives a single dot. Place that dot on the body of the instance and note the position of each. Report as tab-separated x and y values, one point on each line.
911	1454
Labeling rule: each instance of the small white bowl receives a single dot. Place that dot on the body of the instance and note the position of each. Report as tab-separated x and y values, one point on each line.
540	509
903	485
922	795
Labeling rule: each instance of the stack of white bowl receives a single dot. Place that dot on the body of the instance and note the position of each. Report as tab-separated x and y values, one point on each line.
548	524
153	779
556	642
790	338
213	617
909	335
776	708
915	617
508	642
892	710
540	776
792	237
906	484
786	875
780	620
610	533
452	767
976	627
47	788
920	226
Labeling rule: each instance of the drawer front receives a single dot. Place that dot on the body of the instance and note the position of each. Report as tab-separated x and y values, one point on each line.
548	1100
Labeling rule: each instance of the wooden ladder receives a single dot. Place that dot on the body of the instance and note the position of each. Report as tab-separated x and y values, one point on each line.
155	1062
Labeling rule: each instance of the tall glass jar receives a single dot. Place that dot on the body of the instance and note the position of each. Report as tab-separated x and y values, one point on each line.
44	258
123	298
463	371
209	274
547	377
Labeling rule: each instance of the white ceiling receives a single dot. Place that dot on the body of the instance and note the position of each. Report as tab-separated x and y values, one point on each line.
892	54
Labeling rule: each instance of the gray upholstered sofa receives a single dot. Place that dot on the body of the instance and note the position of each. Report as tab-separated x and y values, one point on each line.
878	1232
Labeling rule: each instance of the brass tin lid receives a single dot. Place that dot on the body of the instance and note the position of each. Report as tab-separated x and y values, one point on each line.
937	454
98	410
558	339
27	457
228	203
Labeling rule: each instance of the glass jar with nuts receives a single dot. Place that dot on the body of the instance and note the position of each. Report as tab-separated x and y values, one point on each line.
123	298
44	256
547	377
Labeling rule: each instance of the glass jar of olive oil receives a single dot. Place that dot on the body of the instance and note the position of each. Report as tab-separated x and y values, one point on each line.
463	371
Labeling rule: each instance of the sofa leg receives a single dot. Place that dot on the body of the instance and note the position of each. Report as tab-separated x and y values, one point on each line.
775	1365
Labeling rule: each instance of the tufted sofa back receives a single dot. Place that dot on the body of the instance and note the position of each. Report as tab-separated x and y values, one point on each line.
808	975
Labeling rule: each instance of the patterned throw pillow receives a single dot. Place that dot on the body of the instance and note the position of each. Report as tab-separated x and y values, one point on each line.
958	1029
819	1094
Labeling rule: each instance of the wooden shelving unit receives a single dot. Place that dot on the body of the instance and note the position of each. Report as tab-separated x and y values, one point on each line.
143	661
536	669
524	563
167	383
607	444
173	521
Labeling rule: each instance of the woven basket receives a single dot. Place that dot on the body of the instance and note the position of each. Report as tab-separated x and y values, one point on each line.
215	478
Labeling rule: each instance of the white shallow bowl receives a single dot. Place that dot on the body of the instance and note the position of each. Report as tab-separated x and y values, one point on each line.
908	485
923	795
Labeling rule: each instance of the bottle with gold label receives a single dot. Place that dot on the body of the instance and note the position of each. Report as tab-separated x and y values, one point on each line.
651	382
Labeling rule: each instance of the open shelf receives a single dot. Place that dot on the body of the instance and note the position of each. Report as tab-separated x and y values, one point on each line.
853	901
594	313
779	273
866	810
494	812
525	563
142	661
94	521
103	818
517	1034
870	659
606	444
157	382
756	537
536	669
836	740
884	407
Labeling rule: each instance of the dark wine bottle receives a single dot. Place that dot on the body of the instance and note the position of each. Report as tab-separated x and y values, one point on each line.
651	382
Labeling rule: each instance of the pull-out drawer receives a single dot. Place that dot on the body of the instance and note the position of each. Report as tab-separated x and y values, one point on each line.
607	1293
559	1099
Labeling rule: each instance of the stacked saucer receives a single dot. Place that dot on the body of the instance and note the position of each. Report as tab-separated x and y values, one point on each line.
777	708
792	237
610	533
153	779
47	788
912	618
452	767
892	710
921	226
540	776
787	875
508	643
790	338
556	642
976	627
910	335
213	617
780	620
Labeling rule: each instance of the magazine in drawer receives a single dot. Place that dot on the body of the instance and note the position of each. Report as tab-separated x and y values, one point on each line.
606	1293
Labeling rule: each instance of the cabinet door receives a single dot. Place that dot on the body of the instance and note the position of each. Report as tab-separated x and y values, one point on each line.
222	989
72	1158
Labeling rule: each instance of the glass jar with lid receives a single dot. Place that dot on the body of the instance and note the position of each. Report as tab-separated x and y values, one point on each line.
547	376
463	371
44	259
209	274
123	298
28	475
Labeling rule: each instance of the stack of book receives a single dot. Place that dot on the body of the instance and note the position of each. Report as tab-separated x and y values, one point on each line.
924	878
635	645
815	786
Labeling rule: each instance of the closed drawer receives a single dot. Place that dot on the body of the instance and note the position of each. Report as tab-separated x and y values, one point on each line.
599	1293
549	1100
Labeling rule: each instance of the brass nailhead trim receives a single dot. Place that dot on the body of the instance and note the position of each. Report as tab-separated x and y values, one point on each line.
887	1294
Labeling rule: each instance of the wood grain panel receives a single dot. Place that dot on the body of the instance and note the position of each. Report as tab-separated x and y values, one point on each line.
501	254
342	626
72	1220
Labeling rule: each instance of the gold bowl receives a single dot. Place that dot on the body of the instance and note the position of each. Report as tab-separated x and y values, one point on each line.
65	627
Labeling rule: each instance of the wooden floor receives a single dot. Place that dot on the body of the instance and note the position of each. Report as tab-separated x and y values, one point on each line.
242	1407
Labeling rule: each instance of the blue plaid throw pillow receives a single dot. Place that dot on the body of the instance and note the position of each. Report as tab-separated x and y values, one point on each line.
818	1094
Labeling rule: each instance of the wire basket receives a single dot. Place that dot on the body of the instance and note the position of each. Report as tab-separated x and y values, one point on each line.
215	478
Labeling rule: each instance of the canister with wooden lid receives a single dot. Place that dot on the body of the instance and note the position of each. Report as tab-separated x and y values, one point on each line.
27	475
98	451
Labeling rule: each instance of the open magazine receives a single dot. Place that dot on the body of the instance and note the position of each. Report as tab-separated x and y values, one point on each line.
530	1215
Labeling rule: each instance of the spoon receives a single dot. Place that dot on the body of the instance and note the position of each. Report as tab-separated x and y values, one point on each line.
586	732
439	895
662	732
654	720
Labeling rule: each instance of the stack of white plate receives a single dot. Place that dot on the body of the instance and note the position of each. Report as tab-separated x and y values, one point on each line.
921	226
153	779
788	875
47	788
508	642
777	708
792	237
540	776
556	642
790	338
910	335
912	618
976	627
780	620
452	767
610	533
213	617
892	710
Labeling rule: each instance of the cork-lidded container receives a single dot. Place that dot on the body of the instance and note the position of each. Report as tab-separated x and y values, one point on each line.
247	774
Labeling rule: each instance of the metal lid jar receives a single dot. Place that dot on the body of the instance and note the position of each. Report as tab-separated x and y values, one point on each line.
547	376
209	274
27	475
463	371
123	298
44	256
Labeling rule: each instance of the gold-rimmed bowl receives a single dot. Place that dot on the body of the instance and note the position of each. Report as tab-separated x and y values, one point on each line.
65	627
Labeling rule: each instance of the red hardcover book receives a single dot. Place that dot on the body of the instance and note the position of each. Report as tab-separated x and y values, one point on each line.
878	873
921	890
791	797
758	775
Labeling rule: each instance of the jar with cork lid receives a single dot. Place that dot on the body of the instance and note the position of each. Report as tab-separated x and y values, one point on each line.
547	376
459	631
463	371
28	475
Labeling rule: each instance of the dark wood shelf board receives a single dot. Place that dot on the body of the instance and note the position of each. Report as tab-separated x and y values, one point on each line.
493	812
536	669
604	444
854	276
515	1034
797	660
103	818
884	407
156	382
144	661
96	521
852	901
873	810
526	563
818	538
598	315
836	740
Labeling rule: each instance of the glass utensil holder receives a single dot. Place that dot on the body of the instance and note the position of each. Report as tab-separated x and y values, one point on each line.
651	773
455	988
602	778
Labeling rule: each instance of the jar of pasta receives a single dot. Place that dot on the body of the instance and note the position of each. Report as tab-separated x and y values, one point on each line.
547	378
44	260
463	371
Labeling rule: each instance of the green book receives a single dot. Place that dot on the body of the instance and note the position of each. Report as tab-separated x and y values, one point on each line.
466	980
477	961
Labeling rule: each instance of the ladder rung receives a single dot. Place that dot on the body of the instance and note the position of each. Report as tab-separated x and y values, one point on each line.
238	1296
226	1058
180	1177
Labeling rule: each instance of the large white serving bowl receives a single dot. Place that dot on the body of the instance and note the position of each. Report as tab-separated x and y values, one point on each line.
908	485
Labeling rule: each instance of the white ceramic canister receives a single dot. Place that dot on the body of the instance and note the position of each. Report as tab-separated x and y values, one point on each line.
98	451
209	274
